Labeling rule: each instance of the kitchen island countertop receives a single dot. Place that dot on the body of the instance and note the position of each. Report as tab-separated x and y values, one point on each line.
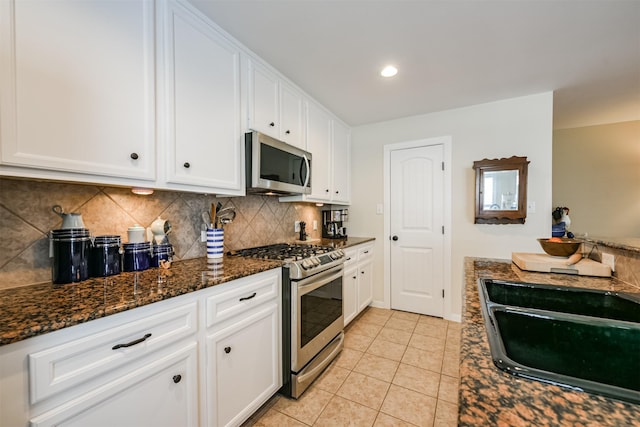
489	396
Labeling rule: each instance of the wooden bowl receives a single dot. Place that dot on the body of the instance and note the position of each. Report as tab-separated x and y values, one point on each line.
565	248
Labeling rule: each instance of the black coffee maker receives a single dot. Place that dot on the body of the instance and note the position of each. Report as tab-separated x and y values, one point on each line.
333	224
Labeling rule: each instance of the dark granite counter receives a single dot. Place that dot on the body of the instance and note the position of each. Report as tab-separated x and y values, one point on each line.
489	396
631	244
34	310
37	309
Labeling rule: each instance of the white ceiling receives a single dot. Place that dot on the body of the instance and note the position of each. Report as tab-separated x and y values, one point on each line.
450	53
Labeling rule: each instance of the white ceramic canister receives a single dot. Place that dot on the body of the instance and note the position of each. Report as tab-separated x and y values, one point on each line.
136	234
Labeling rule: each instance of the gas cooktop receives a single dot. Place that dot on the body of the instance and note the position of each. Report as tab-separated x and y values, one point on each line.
302	260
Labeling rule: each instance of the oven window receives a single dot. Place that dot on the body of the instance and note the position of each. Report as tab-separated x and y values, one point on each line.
319	309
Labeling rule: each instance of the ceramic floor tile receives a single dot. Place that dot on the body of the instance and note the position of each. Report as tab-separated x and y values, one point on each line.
427	343
383	311
390	350
409	406
402	324
332	378
417	379
356	341
343	412
364	390
432	320
430	330
395	335
374	317
307	409
451	364
384	420
274	418
405	315
364	328
377	367
454	326
348	358
423	359
446	414
448	389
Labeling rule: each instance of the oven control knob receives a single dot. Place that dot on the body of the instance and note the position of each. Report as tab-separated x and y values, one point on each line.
314	261
307	264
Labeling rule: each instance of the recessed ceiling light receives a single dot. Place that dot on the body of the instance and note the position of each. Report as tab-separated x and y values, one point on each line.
389	71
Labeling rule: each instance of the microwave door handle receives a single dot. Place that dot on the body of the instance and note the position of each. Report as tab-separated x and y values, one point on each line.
306	178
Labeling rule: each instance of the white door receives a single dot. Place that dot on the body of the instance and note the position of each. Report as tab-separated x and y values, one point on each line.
417	220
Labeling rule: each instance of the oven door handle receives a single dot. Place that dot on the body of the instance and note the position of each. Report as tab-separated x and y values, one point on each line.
338	347
312	283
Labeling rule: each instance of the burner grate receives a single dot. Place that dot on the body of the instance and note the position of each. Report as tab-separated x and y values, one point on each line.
284	251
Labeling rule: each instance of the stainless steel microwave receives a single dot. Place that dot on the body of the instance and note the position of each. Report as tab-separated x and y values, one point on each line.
274	167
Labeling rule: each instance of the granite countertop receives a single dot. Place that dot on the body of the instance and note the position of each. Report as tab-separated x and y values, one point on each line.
37	309
489	396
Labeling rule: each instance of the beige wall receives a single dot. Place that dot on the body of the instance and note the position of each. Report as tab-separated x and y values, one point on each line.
596	173
519	126
26	218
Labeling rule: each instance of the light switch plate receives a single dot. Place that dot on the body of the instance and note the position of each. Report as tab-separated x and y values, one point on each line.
296	226
379	209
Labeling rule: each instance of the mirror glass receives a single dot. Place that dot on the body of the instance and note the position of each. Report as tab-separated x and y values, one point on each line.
500	190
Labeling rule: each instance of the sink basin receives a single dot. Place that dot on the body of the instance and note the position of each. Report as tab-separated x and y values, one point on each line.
576	338
587	302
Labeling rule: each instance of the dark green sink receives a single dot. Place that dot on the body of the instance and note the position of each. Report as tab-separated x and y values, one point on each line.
577	338
587	302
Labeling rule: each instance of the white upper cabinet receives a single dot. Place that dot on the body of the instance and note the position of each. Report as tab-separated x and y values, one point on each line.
78	87
341	158
292	116
263	100
328	141
200	121
275	107
319	145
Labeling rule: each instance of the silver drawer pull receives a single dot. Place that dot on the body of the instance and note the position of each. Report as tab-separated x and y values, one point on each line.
132	343
249	297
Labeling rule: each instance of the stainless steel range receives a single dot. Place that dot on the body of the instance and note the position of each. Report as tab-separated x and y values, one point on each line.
312	313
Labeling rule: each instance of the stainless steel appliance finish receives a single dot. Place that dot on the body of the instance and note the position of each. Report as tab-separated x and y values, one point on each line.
274	167
312	314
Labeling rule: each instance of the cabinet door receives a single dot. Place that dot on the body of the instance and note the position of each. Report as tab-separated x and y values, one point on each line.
365	284
318	144
350	294
243	366
78	86
202	91
341	191
263	100
291	116
163	393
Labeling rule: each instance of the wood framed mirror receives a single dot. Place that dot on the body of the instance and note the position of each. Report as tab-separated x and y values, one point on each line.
501	190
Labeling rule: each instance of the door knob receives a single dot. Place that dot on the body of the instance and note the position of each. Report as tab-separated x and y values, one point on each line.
394	238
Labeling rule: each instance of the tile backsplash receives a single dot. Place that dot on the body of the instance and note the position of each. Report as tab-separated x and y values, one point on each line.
26	217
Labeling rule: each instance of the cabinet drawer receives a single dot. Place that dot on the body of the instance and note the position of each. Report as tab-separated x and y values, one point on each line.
242	297
365	252
67	365
350	256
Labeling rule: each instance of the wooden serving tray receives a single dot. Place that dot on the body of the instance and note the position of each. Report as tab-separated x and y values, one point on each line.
549	264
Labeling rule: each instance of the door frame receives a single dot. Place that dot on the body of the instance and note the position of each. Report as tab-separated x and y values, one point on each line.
446	143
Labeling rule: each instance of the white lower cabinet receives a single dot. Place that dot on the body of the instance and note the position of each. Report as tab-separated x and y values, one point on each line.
357	280
243	365
162	393
170	363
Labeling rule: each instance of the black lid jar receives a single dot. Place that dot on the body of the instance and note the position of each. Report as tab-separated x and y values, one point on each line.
137	256
161	252
70	255
105	257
